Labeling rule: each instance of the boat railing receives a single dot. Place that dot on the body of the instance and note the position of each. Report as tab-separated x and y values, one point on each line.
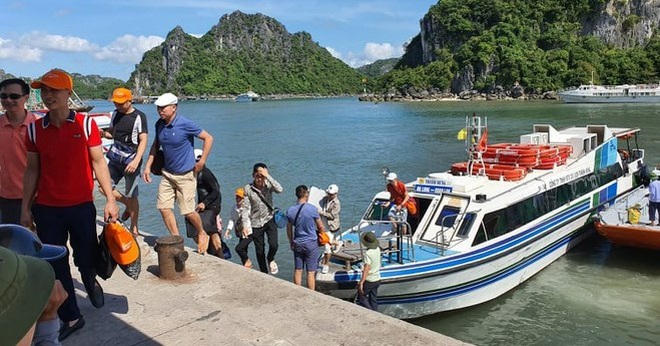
445	240
392	243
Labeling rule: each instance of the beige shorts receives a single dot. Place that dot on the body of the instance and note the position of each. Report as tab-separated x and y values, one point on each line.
179	187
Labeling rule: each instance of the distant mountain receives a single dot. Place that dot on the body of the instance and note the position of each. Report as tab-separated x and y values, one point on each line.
378	67
243	52
86	86
95	86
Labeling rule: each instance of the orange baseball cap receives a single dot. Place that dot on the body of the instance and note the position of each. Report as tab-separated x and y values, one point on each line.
56	79
121	95
240	192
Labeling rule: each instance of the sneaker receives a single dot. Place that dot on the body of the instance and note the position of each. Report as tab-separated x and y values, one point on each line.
325	269
273	268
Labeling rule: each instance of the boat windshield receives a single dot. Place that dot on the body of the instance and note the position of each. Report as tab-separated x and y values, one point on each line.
377	211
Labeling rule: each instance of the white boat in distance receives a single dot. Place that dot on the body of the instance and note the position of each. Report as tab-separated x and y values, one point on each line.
612	94
248	97
492	222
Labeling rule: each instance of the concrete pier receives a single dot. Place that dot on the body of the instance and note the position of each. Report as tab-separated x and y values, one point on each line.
222	303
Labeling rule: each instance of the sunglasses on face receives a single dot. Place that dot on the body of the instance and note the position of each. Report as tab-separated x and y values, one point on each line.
11	96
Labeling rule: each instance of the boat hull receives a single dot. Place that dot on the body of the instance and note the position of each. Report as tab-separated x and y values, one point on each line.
631	235
460	281
609	99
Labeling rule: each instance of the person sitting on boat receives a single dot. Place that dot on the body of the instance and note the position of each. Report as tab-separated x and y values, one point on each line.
329	211
401	203
654	197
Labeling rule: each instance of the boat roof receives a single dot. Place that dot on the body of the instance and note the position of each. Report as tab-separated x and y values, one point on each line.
437	183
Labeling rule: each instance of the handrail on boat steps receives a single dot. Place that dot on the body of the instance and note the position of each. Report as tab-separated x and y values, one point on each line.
399	239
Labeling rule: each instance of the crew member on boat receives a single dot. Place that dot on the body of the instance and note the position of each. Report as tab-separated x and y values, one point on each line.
403	202
654	197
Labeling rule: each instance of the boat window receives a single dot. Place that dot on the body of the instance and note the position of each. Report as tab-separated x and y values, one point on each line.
447	216
505	220
466	225
377	211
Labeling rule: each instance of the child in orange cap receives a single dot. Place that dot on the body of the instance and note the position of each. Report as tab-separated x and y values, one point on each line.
238	226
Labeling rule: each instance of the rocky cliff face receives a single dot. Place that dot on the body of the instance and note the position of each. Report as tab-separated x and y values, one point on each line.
624	23
620	23
242	52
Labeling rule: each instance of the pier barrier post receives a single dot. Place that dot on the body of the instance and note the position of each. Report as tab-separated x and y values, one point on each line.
171	257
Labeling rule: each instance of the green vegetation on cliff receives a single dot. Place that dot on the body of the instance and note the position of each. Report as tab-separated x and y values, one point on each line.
483	44
243	52
94	86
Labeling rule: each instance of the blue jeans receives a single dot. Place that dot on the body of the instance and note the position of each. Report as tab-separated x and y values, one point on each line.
54	225
370	297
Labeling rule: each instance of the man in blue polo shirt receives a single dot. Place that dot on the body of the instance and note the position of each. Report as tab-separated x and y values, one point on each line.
176	135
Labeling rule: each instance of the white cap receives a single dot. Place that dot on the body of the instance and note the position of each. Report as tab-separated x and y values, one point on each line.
332	189
166	99
656	172
391	176
198	154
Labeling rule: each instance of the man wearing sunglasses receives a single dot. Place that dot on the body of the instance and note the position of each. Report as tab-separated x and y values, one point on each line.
14	93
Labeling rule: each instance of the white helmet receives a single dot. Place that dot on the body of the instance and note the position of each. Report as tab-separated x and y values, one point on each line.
332	189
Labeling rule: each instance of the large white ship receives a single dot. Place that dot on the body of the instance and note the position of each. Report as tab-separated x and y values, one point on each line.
644	93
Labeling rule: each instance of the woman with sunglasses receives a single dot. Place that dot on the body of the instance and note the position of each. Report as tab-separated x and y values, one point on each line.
14	94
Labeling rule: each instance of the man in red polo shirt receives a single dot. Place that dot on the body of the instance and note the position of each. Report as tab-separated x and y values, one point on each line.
64	150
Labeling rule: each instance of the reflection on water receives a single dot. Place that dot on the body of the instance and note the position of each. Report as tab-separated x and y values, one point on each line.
596	294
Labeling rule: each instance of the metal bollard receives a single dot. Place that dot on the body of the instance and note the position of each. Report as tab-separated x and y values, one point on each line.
171	257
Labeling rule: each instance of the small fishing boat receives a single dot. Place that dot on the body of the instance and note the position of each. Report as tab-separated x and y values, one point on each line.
491	222
626	222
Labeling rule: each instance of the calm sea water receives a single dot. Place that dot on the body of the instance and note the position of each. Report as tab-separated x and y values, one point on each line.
596	294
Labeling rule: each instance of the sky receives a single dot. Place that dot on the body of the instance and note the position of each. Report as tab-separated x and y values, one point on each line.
108	38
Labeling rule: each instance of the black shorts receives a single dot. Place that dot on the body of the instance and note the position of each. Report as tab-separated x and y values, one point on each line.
209	224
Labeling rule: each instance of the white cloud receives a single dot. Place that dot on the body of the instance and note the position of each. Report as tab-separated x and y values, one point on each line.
128	48
10	51
60	43
370	53
334	52
377	51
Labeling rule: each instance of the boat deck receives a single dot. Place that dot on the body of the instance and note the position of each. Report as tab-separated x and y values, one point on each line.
351	253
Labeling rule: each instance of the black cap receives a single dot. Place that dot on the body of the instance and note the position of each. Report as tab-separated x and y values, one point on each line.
25	242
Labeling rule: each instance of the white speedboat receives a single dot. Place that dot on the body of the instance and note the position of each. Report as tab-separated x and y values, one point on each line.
492	222
612	94
248	97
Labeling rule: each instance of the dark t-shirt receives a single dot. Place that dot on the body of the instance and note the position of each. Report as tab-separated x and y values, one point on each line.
127	127
208	189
